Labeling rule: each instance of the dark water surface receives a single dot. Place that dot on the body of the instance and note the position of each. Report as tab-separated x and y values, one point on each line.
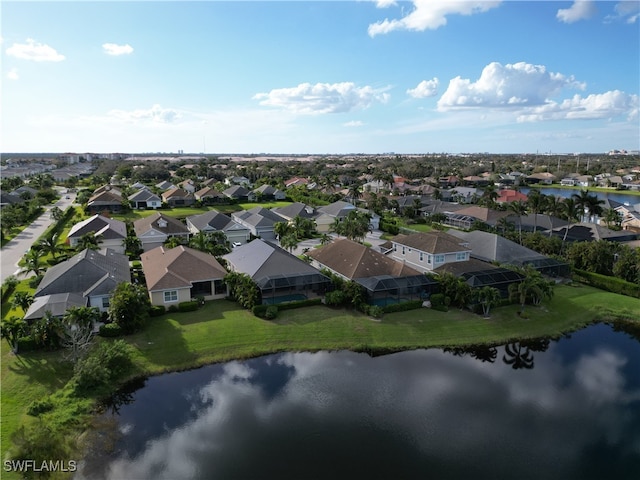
540	410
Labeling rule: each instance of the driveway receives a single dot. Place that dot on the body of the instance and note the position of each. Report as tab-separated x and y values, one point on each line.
11	253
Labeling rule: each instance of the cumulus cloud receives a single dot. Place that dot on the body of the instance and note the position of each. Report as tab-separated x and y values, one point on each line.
430	15
426	88
32	50
322	98
116	50
13	74
580	10
602	105
511	85
155	114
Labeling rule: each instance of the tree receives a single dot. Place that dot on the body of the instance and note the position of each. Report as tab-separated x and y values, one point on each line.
173	242
627	265
129	307
519	208
518	358
536	202
132	245
354	226
11	330
33	262
242	289
23	300
553	208
89	241
325	238
49	244
571	213
354	192
46	331
489	196
613	218
282	229
488	297
56	213
533	288
289	242
77	335
587	203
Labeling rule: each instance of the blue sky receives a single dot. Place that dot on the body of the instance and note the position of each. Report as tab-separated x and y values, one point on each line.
320	77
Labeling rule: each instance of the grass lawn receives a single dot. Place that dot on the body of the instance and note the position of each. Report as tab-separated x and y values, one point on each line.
591	189
221	331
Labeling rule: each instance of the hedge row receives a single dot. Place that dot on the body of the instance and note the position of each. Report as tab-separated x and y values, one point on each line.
610	284
402	307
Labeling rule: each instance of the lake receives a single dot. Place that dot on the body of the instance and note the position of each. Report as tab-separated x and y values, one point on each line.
566	409
619	197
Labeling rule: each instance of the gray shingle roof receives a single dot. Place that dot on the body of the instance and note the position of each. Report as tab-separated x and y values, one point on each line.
57	304
173	226
108	228
212	218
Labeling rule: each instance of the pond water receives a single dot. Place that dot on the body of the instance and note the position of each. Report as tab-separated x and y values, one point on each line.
566	409
620	197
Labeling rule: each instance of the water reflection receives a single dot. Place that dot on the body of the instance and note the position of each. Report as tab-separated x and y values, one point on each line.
416	414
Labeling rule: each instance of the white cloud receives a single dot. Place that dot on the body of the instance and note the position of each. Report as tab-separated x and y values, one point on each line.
580	10
512	85
353	123
627	11
32	50
156	114
426	88
602	105
116	50
13	74
385	3
430	15
322	98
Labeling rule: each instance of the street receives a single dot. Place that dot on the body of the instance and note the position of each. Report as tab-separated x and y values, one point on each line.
11	253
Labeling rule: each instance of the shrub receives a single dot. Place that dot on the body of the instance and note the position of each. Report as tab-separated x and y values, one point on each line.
440	302
611	284
27	344
110	330
90	373
259	311
375	311
335	298
35	281
157	310
188	306
39	406
402	307
107	361
271	312
300	303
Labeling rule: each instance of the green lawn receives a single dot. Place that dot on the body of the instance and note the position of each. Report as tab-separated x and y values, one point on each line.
221	331
591	189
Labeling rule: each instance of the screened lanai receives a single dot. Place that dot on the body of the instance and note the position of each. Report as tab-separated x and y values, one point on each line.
280	288
384	289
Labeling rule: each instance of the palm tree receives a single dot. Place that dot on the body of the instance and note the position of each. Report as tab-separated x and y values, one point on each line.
536	202
11	329
325	238
289	242
588	203
553	208
519	208
201	242
173	242
33	262
612	218
22	300
282	229
49	244
489	196
516	357
572	213
488	297
354	192
132	245
89	241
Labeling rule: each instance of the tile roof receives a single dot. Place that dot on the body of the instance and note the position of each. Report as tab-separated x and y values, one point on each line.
354	260
178	267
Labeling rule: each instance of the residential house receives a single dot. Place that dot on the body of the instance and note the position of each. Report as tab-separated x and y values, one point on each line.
427	251
449	181
10	199
188	186
210	196
543	178
630	215
328	214
280	276
493	248
176	197
464	194
385	280
238	180
267	192
91	274
240	194
145	199
295	181
214	221
111	232
259	221
587	232
296	209
180	274
507	196
165	185
155	229
466	217
105	201
25	191
57	304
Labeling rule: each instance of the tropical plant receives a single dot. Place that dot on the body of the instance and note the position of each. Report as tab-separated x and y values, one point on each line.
487	297
536	203
56	213
129	306
517	357
11	329
77	335
173	242
33	262
281	229
47	331
89	241
571	213
289	242
613	218
49	244
22	300
587	204
553	208
242	289
519	208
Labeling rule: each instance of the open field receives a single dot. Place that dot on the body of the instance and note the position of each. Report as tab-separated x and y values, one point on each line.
221	331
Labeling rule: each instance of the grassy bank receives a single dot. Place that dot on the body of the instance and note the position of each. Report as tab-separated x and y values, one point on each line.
591	189
221	331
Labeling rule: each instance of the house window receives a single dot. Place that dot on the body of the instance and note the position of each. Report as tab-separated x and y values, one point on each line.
403	250
219	287
439	259
105	302
461	256
170	296
421	256
429	259
395	247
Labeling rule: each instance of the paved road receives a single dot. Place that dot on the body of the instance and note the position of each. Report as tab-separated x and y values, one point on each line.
11	253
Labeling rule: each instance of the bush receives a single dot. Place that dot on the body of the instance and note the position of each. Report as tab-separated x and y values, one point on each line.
402	307
299	304
188	306
271	312
107	361
172	308
335	298
35	281
375	311
39	406
440	302
610	284
27	344
110	330
157	310
259	311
